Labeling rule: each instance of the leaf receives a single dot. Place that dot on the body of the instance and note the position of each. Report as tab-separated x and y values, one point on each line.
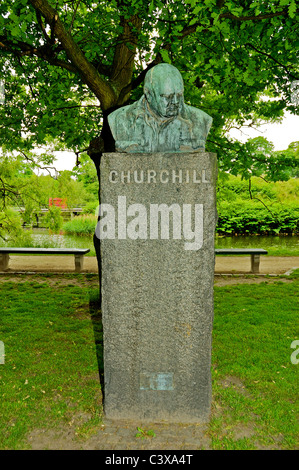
292	9
15	31
165	56
46	103
151	7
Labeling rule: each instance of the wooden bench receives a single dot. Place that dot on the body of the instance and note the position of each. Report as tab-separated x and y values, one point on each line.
253	252
78	253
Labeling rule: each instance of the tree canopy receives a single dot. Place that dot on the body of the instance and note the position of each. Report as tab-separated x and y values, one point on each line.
66	64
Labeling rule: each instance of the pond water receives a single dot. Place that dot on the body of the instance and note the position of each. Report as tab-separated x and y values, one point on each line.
42	237
283	242
284	245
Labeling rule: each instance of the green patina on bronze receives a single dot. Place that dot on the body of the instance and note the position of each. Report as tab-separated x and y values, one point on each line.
160	121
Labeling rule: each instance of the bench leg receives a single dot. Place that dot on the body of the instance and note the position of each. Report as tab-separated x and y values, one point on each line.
255	263
79	259
4	260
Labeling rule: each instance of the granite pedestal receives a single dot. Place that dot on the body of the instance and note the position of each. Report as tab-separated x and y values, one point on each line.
158	217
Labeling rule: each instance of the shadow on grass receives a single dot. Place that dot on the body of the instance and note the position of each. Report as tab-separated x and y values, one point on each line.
96	318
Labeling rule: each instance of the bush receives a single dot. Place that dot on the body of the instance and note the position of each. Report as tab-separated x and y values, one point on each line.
251	217
91	207
81	225
233	187
11	230
257	207
53	219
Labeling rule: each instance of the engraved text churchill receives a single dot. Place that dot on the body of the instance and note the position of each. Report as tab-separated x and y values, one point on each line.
161	176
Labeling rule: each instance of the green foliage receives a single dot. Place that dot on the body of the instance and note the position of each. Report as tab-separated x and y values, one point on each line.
9	218
257	207
11	231
91	207
53	219
86	174
81	225
231	188
144	433
244	218
229	54
28	191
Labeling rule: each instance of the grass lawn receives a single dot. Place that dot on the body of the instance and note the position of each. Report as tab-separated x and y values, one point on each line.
255	383
51	330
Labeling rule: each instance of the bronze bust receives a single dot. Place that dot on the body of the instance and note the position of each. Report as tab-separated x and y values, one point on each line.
160	121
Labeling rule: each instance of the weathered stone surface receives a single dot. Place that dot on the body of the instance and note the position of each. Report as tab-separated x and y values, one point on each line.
157	294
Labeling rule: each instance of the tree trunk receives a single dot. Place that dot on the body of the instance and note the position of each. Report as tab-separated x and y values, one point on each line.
120	80
104	143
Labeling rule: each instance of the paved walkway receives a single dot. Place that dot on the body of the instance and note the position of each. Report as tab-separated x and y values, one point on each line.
224	264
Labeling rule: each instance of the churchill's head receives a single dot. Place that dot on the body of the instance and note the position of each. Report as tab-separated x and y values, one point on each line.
164	90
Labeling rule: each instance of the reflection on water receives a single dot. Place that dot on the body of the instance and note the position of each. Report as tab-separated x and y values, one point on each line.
258	241
275	245
43	238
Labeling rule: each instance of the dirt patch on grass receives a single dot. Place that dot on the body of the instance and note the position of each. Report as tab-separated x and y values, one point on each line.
235	383
92	280
52	439
53	280
233	280
129	435
120	435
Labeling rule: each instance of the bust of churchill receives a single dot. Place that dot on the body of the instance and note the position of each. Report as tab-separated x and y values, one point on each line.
160	121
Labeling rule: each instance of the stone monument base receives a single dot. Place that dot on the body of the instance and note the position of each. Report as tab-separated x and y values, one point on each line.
157	255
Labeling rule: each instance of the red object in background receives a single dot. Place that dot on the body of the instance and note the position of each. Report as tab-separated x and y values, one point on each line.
58	202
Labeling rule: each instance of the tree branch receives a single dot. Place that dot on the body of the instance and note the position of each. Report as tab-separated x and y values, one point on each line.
258	199
123	61
191	29
264	16
78	106
20	49
102	90
47	168
73	18
42	26
272	58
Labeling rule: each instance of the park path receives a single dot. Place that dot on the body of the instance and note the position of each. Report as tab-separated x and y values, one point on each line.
224	264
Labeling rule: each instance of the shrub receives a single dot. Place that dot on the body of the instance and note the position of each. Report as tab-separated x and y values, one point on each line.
251	217
11	230
53	219
81	225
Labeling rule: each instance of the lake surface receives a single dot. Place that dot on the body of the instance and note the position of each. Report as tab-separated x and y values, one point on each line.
274	244
258	241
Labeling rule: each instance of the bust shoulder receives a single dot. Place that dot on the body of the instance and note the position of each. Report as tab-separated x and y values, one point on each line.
125	115
197	117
